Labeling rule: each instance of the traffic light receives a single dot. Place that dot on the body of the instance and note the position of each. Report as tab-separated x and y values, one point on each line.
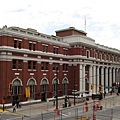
10	87
27	92
92	86
100	88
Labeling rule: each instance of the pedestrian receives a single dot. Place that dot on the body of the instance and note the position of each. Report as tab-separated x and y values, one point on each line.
14	108
19	105
111	92
104	94
53	102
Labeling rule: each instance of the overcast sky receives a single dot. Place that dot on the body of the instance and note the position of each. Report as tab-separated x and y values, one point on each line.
47	16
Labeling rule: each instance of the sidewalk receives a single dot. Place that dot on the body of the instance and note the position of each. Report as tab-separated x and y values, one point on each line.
35	109
44	107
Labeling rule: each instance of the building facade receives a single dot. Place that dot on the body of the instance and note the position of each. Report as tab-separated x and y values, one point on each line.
39	61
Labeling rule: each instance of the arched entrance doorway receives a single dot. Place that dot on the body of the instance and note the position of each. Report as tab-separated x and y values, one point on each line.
44	83
55	86
16	90
65	83
31	84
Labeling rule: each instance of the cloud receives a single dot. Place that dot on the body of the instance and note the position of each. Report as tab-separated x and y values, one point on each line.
47	16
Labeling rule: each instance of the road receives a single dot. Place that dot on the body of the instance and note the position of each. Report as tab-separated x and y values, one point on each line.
110	109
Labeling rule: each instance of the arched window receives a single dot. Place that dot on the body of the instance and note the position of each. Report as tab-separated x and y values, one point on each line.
16	86
44	83
65	83
31	84
54	84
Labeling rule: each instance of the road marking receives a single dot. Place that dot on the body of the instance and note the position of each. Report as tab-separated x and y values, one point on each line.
65	114
2	110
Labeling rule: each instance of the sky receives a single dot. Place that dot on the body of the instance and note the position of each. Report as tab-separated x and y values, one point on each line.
46	16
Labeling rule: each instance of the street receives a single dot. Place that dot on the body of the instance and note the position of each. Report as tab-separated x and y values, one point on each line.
45	111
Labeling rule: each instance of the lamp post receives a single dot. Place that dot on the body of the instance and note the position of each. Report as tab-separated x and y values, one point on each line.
56	89
74	86
74	91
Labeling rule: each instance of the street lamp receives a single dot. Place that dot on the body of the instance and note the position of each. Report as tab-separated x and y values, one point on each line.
74	91
56	89
74	86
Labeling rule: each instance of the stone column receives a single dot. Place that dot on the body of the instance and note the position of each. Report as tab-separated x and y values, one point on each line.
110	77
90	79
106	79
102	77
94	79
98	83
114	75
83	79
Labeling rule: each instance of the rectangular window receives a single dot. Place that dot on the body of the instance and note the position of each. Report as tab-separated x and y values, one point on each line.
34	46
55	50
65	67
87	54
65	51
55	66
34	64
44	66
29	65
19	44
19	64
30	46
15	43
44	48
14	64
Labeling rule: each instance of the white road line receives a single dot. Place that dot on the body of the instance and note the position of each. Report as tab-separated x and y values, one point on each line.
65	114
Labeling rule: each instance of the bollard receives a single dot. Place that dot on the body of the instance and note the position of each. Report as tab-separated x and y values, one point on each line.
83	108
22	117
86	108
41	116
94	116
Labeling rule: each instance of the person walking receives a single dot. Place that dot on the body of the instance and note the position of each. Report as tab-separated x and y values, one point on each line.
53	102
14	108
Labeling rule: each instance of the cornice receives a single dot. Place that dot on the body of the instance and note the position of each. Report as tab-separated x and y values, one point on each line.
87	41
41	38
40	53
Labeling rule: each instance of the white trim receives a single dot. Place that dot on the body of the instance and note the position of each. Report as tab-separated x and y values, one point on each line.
32	79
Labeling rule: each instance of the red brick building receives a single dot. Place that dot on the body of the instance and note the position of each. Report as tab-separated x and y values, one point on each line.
36	60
